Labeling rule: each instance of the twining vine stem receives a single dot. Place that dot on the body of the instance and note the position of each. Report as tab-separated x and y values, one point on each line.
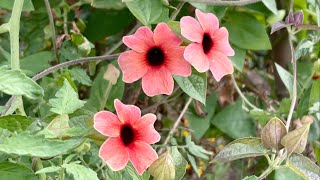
53	30
176	124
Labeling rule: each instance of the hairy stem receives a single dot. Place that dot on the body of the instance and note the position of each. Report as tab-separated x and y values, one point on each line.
294	89
224	3
176	124
53	30
242	96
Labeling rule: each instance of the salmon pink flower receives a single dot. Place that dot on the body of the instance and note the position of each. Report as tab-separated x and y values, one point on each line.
154	57
130	136
210	47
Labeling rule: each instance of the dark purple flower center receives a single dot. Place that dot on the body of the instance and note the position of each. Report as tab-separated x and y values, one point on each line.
206	43
155	56
127	134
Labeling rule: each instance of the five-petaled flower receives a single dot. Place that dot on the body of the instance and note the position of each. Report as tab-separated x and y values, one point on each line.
129	137
210	47
154	57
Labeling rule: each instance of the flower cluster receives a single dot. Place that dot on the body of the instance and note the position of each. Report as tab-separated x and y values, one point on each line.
156	55
154	58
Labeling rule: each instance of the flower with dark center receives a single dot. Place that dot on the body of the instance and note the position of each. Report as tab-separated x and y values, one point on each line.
154	58
130	136
210	47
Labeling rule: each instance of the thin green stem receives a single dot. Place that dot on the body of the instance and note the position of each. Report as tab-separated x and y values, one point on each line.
106	96
14	23
176	124
53	30
242	96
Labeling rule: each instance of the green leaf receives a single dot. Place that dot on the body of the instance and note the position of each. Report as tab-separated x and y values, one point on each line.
261	116
296	140
193	164
238	59
134	175
314	94
81	76
98	90
80	172
33	145
163	167
10	170
246	31
250	178
302	164
8	4
196	150
14	82
179	162
15	122
303	48
4	133
199	124
37	62
219	11
284	173
286	77
149	11
234	121
48	169
272	134
194	85
107	4
110	174
241	148
271	5
110	22
66	100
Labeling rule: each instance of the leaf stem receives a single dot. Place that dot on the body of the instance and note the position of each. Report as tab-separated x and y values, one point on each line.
53	30
4	28
224	3
242	96
176	124
294	93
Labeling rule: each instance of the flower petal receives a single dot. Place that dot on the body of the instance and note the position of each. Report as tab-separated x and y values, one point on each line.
164	35
208	21
221	42
157	81
141	40
114	153
107	123
176	62
133	66
220	65
195	56
145	129
142	156
127	113
191	29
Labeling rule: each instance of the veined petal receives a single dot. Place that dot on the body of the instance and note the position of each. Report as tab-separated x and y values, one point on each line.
140	41
220	65
133	65
196	57
208	21
145	129
157	81
163	35
191	29
114	153
176	62
142	156
221	42
127	113
107	123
